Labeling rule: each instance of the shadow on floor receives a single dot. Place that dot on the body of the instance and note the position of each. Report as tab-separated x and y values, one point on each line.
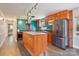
22	49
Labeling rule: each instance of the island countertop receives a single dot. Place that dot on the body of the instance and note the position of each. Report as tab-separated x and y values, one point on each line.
35	33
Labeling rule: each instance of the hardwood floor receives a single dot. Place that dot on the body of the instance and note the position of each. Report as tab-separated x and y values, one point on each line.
13	48
22	49
54	51
10	48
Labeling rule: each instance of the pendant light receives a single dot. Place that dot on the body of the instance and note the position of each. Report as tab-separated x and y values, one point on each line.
30	11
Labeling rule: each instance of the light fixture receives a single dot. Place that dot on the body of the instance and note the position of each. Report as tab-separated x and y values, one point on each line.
32	16
30	11
11	26
1	18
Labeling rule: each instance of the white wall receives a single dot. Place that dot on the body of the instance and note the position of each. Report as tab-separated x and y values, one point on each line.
3	32
15	29
75	36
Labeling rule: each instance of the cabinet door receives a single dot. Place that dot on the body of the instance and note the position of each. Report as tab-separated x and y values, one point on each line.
40	44
49	37
28	41
37	45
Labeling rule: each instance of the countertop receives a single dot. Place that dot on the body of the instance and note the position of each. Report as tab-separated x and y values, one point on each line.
35	33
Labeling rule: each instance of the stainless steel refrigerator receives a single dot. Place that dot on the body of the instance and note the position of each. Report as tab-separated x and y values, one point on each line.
61	33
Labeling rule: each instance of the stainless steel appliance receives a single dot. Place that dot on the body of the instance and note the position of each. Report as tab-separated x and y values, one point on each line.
61	33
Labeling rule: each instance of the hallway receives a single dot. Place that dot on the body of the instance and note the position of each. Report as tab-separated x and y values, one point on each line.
10	48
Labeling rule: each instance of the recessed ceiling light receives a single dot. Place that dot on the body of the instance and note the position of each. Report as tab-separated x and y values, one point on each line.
1	18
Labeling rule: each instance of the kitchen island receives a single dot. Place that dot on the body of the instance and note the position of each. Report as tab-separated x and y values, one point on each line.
35	42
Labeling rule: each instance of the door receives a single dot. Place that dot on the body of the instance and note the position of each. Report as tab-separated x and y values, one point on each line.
76	32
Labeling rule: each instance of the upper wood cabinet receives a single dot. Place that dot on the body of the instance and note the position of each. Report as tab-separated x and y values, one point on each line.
61	15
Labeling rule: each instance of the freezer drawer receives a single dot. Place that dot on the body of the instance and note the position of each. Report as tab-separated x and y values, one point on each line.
60	42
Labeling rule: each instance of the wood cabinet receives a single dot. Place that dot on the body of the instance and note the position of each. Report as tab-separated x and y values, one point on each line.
62	15
49	37
35	44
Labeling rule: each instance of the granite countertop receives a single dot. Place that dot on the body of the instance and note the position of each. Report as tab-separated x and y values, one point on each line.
35	33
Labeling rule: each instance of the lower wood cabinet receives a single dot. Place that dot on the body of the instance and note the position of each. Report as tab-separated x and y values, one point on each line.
36	44
49	37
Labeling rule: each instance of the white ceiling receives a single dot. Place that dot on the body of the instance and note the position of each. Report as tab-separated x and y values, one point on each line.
42	10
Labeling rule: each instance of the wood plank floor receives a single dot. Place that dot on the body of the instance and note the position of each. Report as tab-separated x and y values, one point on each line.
22	49
54	51
10	48
13	48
